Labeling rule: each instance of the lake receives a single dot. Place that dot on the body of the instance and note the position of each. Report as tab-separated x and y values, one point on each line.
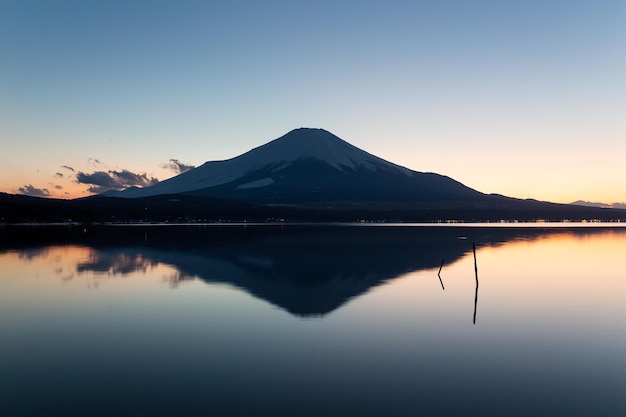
296	320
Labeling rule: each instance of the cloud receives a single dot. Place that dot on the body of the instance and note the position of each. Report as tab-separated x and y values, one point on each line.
58	175
93	161
177	166
33	191
58	187
101	181
99	178
69	168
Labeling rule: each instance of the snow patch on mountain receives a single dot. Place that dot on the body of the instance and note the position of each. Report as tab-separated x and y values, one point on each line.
207	175
263	182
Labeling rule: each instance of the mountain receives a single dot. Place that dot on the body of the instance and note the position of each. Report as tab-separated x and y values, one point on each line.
601	205
307	175
307	167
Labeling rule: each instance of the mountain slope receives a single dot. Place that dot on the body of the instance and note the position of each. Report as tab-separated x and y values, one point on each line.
308	166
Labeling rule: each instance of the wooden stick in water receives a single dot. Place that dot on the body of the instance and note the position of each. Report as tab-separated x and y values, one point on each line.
476	274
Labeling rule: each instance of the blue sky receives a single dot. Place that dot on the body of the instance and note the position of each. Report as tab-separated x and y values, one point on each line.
525	99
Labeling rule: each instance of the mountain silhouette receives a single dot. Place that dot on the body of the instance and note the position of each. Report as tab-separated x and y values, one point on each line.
304	167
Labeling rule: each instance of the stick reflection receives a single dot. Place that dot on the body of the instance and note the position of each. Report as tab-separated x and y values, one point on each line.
439	275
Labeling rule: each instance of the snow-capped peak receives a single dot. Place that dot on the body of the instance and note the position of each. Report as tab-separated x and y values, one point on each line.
315	143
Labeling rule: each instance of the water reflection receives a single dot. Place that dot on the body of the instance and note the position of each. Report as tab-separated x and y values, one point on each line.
115	263
307	271
548	339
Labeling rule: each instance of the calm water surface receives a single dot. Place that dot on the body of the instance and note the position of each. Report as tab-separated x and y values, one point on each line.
312	321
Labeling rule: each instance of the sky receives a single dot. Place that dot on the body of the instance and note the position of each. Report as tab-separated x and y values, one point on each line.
521	98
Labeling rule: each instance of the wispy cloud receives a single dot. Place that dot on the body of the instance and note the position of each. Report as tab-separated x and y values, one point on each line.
34	191
177	166
101	181
69	168
58	175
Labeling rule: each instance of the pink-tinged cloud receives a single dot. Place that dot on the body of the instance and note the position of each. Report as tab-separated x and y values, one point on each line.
101	181
34	191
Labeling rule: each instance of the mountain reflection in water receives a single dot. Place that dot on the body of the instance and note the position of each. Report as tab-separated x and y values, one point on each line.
305	270
167	321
